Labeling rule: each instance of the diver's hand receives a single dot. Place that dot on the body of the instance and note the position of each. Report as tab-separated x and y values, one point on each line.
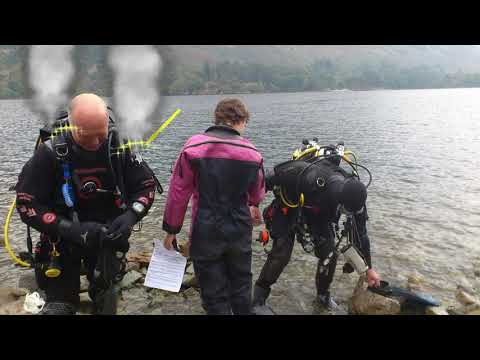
373	278
256	215
168	242
122	225
85	234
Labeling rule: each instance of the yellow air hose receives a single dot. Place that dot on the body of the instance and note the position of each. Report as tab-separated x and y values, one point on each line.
5	234
301	200
347	159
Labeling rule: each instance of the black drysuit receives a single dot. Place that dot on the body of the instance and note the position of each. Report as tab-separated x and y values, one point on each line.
40	204
320	217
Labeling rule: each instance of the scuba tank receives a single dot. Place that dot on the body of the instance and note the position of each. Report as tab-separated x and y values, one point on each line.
351	255
295	185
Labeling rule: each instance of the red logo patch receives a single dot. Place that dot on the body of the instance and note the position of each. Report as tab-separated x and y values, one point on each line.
49	218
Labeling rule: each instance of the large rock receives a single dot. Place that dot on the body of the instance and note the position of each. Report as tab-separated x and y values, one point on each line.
364	302
12	300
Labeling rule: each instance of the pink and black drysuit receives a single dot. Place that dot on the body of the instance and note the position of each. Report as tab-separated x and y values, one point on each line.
224	173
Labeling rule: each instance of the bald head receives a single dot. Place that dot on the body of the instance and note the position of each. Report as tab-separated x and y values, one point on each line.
89	115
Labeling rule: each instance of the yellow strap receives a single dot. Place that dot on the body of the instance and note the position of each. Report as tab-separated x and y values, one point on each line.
5	234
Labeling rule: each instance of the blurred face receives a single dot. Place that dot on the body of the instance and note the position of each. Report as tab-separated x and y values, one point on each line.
90	138
89	118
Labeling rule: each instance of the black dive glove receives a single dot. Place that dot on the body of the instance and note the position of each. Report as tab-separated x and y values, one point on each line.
85	234
120	229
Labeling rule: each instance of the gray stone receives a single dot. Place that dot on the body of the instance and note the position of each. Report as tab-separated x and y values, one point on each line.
11	294
189	268
130	279
184	248
189	280
143	258
12	300
471	309
415	282
364	302
14	308
28	281
465	298
435	310
415	279
466	286
83	284
133	266
85	298
451	310
191	292
473	312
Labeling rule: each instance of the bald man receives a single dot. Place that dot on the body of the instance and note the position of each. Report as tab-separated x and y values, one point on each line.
105	199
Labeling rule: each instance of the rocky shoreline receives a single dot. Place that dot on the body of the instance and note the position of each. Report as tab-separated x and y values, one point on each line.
136	299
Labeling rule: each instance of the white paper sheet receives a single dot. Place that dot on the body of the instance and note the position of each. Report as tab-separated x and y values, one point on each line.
166	269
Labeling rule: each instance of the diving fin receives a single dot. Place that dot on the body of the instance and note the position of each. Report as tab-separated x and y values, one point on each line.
414	298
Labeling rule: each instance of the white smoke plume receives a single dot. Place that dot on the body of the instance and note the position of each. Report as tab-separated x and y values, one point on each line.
51	70
136	94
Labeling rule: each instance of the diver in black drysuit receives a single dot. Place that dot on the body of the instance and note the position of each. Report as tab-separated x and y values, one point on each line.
42	206
320	213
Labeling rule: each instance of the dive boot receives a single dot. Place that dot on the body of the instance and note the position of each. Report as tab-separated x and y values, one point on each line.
326	301
58	308
259	307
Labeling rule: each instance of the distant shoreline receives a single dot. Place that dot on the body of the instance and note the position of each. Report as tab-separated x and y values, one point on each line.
285	92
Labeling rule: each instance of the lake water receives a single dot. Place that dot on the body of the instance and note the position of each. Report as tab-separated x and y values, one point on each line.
421	147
